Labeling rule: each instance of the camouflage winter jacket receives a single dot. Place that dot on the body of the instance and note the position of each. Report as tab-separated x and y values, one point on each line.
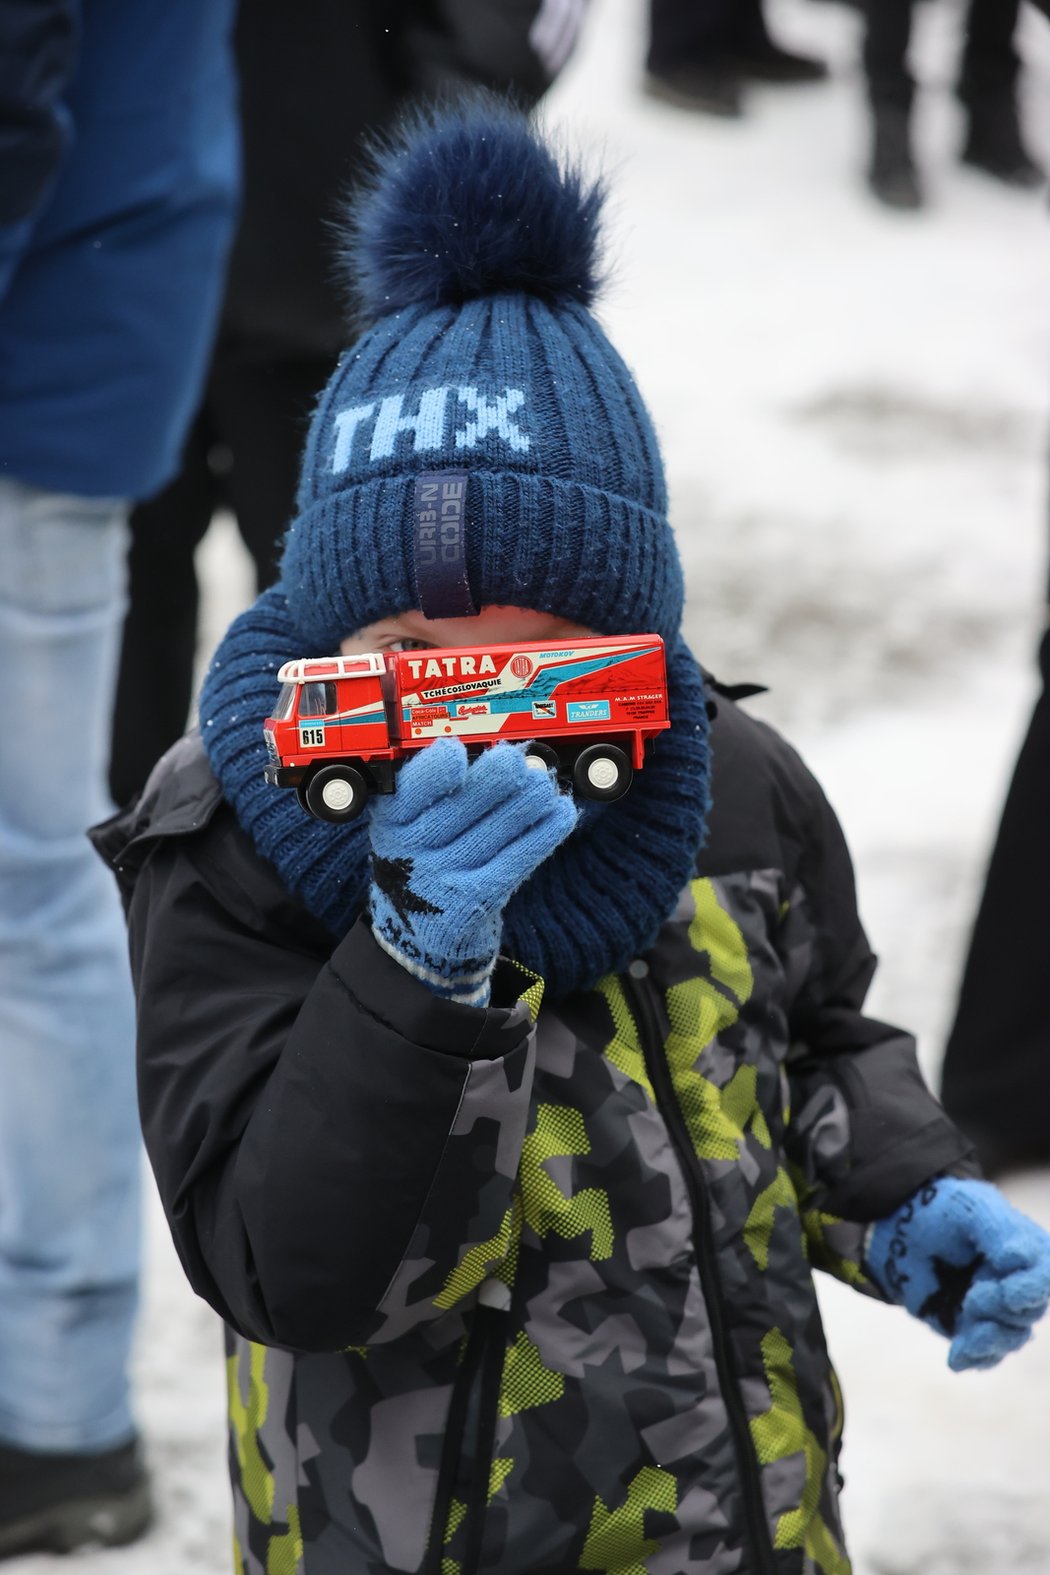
510	1291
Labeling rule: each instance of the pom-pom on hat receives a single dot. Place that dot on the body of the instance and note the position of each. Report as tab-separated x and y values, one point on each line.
482	442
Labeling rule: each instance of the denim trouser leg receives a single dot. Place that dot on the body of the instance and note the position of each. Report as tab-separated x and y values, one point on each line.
70	1164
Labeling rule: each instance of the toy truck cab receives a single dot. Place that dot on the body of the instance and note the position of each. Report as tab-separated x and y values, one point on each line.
343	724
332	717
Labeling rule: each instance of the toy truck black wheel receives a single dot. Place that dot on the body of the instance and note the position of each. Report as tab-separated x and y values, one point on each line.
602	771
541	756
336	793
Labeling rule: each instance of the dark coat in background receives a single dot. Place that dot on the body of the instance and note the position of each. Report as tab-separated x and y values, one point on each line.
118	179
317	81
313	92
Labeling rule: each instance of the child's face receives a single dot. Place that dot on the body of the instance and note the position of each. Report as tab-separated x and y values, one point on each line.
491	626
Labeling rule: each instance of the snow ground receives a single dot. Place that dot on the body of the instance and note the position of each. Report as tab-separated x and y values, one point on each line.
854	410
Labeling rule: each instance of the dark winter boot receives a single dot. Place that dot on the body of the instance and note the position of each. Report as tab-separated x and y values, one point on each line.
751	51
710	88
60	1502
994	143
764	61
892	175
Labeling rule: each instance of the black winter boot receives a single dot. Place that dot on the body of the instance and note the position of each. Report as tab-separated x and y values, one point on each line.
765	61
994	143
892	175
710	88
751	50
60	1502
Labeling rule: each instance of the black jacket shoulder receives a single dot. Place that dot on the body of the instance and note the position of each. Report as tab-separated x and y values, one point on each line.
182	801
768	810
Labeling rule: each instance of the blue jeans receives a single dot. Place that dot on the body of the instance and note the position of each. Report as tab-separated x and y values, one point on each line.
70	1156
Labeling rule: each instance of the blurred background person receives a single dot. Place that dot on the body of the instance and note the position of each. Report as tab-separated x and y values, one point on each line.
310	98
701	52
987	89
995	1077
118	149
996	1071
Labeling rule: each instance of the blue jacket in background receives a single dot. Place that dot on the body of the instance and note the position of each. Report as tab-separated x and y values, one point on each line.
118	181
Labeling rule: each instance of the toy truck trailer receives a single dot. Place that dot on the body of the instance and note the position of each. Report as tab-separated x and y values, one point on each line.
343	724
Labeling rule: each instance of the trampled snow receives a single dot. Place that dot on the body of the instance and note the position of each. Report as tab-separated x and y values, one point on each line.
854	407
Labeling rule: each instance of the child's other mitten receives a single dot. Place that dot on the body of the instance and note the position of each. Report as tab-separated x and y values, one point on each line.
964	1260
449	848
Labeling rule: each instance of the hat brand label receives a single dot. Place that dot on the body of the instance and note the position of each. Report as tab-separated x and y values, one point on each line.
439	519
462	416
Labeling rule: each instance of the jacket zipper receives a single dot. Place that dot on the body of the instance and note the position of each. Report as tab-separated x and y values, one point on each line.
651	1040
485	1437
484	1356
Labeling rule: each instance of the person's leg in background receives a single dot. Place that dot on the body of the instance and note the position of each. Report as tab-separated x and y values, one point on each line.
243	452
757	55
155	679
263	408
892	175
70	1154
988	90
996	1072
700	51
685	64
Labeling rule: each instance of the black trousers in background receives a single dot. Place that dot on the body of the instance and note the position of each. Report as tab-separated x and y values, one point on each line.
996	1074
242	453
989	60
683	31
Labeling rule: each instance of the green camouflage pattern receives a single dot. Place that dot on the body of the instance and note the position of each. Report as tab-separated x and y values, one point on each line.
611	1448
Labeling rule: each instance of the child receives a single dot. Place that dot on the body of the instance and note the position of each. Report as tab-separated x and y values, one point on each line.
515	1250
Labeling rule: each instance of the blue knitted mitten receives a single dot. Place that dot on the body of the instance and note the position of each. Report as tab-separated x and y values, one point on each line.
449	847
965	1261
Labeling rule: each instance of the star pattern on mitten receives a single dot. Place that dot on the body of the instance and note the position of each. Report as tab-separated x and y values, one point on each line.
392	877
944	1304
959	1256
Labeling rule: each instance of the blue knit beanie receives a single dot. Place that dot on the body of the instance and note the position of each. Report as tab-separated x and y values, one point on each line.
482	442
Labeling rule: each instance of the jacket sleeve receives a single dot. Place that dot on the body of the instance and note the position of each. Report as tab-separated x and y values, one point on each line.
864	1131
335	1148
512	46
38	49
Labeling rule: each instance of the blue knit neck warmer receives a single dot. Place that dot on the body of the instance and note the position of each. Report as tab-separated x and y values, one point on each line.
595	904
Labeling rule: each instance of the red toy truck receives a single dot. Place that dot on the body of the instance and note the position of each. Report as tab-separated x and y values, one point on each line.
343	724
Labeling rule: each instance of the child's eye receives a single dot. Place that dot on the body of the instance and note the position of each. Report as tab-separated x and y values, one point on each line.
411	645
